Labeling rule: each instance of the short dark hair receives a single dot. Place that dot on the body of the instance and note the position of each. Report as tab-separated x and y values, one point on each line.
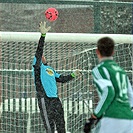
105	46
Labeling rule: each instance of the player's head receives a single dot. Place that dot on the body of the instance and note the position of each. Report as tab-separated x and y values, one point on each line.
44	61
105	47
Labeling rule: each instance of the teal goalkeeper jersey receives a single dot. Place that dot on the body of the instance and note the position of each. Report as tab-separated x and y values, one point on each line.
114	89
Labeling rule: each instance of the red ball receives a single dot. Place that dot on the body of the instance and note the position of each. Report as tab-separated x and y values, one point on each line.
51	14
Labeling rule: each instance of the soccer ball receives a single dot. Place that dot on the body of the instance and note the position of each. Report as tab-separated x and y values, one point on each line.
51	14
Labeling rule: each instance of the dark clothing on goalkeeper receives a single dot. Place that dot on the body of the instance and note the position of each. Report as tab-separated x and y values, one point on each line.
45	81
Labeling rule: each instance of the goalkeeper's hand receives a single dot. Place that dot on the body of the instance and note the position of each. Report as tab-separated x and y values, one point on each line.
76	73
42	27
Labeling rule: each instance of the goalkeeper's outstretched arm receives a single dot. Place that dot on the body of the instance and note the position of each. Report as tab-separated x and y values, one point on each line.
39	51
64	79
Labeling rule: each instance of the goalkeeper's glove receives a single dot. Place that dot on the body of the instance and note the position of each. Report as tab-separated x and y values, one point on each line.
76	73
43	29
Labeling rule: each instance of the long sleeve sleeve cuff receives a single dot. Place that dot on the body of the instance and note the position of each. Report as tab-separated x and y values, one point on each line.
43	35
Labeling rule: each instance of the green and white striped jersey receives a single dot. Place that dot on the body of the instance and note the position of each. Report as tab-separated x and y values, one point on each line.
114	89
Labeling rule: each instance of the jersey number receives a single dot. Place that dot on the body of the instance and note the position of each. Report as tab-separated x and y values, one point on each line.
122	84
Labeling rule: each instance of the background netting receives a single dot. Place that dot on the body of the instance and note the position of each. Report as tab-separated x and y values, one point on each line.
19	110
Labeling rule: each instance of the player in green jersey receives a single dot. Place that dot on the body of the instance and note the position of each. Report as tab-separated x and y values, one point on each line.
115	92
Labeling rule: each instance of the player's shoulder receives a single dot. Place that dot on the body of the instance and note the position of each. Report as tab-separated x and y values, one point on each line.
101	67
107	64
96	69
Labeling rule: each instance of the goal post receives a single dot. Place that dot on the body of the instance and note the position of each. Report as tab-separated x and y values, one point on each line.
65	52
64	37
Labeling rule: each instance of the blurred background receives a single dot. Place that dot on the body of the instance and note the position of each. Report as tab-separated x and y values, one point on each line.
82	16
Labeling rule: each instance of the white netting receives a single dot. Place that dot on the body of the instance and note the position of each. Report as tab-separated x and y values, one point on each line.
19	110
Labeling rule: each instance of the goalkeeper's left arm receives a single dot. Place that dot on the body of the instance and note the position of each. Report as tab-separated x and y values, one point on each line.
66	78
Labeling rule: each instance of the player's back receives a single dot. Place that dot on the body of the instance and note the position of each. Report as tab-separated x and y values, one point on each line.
120	107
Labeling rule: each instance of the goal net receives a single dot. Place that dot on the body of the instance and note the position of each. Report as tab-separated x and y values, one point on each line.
65	52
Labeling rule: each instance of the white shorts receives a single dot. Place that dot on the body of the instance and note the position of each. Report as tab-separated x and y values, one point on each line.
112	125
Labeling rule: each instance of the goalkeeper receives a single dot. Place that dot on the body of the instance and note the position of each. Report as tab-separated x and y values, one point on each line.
115	91
45	78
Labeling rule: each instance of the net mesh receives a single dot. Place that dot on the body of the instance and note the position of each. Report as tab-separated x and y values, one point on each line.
19	110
